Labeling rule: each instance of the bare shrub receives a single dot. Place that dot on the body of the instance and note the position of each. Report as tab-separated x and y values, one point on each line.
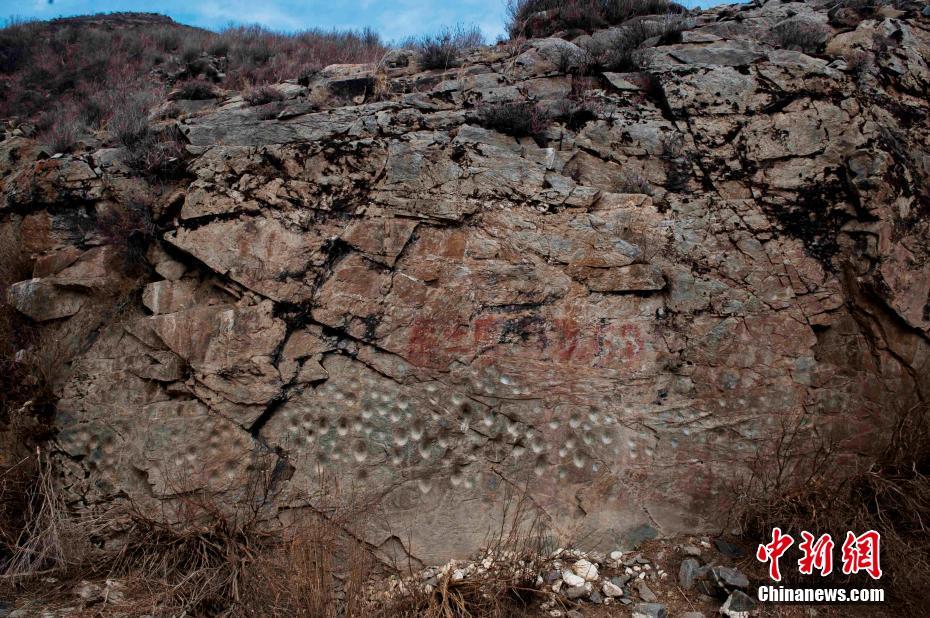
574	113
677	163
513	555
442	50
795	487
223	558
272	110
518	119
152	150
800	35
631	181
191	51
195	90
50	540
66	127
317	567
262	95
537	18
858	62
129	123
128	228
161	154
625	50
20	394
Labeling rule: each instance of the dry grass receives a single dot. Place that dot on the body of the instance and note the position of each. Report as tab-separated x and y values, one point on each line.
49	540
202	554
236	559
26	402
796	489
319	568
66	125
502	585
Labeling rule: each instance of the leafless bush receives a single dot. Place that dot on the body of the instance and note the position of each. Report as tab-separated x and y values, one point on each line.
222	558
161	154
513	556
152	150
518	119
631	181
625	50
270	111
858	62
49	540
677	163
442	50
201	553
262	95
574	112
65	129
317	566
536	18
800	35
166	38
795	486
129	229
16	44
32	536
195	89
129	123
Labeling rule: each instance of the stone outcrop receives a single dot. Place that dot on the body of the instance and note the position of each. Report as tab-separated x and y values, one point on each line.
619	316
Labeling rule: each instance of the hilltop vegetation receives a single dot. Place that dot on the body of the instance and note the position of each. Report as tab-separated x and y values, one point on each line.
69	74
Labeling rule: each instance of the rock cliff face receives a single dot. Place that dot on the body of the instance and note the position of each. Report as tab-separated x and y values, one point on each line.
709	267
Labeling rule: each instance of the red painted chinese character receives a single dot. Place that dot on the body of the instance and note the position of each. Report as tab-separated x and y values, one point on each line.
773	551
860	553
817	554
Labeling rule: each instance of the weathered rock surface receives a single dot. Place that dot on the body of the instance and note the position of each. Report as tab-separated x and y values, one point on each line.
440	315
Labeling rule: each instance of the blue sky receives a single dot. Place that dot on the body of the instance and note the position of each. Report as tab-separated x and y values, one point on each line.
393	19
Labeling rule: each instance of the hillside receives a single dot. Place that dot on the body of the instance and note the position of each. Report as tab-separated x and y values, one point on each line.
657	277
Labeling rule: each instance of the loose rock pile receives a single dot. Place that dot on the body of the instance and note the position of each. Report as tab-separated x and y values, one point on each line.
566	581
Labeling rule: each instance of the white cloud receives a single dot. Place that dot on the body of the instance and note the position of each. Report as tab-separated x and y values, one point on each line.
264	13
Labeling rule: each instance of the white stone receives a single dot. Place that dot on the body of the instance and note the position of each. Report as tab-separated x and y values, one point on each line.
616	554
611	589
586	570
571	579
